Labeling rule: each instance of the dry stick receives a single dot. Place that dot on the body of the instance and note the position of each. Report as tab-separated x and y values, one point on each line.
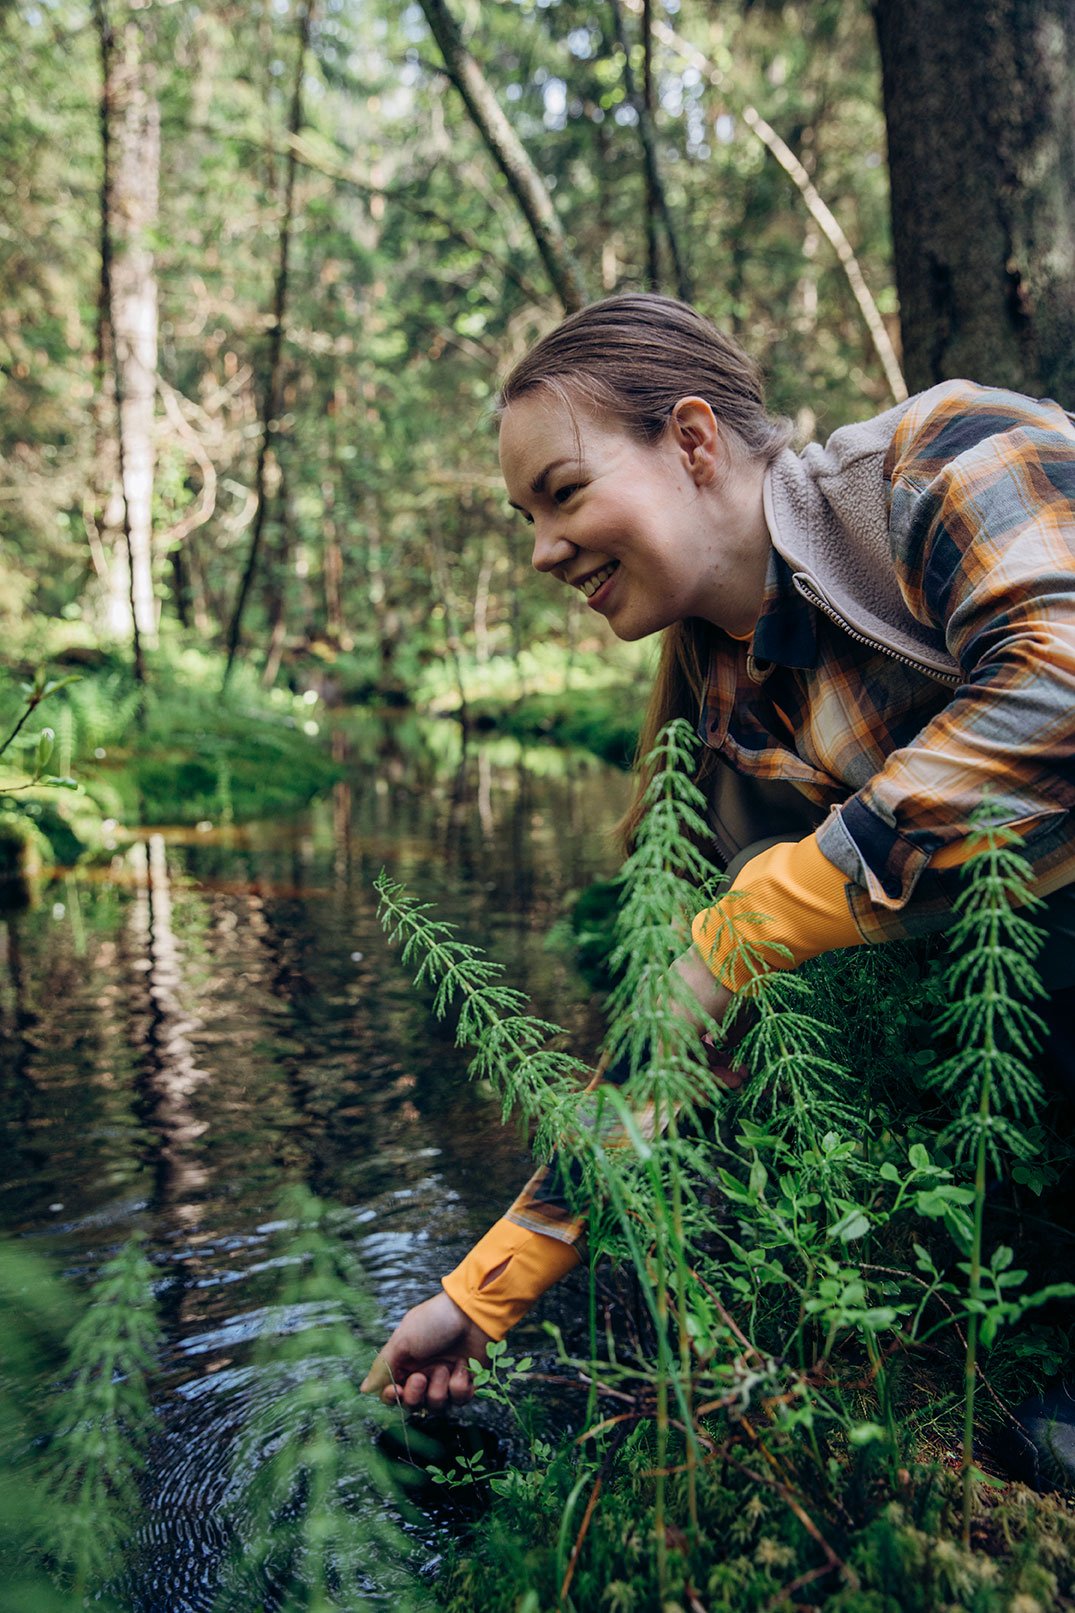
832	1557
781	1597
509	154
655	192
276	341
821	214
602	1474
204	505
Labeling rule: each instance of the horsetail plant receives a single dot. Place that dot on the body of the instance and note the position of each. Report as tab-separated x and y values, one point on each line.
102	1423
311	1486
991	981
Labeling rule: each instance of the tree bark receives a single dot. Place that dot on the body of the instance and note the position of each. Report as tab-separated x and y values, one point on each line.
127	314
653	250
980	107
507	151
270	407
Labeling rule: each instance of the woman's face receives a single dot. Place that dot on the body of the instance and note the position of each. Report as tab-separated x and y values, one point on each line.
649	533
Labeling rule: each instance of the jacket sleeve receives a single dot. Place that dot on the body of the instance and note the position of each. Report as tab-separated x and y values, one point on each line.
982	524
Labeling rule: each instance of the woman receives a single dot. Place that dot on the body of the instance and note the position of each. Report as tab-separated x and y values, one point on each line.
872	637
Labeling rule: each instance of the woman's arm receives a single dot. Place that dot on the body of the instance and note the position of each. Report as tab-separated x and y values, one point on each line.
424	1363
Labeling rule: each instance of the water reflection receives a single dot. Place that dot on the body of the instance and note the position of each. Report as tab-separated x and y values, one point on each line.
217	1015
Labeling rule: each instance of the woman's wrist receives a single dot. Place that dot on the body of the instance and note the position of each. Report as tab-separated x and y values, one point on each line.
705	998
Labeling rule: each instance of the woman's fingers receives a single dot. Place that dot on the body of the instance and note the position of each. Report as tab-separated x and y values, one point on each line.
414	1390
437	1391
378	1378
461	1384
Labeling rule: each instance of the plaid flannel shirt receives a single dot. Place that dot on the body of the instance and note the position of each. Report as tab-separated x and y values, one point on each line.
979	491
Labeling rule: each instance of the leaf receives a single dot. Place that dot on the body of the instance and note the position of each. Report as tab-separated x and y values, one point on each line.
918	1157
865	1433
855	1224
889	1172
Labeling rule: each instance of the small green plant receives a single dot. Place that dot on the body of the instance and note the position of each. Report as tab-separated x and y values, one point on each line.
33	694
102	1422
992	983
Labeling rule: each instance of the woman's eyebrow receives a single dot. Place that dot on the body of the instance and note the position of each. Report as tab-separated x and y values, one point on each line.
538	484
539	481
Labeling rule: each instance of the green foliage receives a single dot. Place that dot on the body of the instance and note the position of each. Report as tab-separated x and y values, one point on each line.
71	1457
802	1343
102	1423
310	1513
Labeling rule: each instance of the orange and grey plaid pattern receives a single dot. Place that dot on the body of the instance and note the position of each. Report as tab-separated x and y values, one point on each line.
981	509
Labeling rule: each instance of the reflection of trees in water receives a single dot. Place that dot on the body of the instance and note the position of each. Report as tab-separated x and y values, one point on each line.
19	1014
170	1072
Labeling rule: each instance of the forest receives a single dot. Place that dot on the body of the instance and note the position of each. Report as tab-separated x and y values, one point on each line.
288	722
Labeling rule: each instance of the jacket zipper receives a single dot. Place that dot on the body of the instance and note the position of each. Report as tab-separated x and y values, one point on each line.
954	678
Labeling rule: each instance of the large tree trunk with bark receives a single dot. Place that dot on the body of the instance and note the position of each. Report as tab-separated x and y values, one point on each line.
980	107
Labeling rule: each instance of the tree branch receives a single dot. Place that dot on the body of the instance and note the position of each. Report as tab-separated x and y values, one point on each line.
508	152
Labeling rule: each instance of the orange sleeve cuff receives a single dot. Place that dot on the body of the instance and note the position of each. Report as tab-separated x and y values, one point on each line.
531	1263
787	897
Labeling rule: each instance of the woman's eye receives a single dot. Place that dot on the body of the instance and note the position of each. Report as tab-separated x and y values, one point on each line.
562	494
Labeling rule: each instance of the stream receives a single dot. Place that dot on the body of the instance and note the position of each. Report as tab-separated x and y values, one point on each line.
215	1014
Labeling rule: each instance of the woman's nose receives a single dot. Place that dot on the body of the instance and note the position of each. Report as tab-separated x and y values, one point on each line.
551	548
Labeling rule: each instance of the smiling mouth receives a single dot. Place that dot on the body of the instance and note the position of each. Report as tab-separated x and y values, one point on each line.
589	585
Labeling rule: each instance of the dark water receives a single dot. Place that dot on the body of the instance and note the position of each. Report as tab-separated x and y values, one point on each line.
217	1014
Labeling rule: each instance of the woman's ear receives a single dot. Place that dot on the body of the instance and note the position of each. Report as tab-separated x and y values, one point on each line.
696	433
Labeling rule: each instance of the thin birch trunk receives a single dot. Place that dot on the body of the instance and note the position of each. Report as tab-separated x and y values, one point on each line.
127	314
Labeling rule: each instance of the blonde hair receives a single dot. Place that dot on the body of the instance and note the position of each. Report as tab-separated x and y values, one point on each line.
636	356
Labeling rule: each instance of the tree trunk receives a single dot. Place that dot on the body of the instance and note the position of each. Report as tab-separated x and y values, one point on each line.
653	249
127	315
506	149
980	107
656	200
270	407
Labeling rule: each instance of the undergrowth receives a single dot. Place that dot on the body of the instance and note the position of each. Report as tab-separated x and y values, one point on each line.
794	1402
174	752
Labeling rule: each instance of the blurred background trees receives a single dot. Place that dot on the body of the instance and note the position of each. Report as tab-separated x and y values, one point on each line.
264	263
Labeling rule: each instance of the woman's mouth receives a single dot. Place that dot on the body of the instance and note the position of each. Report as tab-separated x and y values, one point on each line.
590	585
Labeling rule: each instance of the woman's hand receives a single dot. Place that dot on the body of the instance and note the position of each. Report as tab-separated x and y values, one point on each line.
706	996
425	1361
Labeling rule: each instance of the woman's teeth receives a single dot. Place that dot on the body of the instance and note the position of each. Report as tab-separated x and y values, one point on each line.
590	586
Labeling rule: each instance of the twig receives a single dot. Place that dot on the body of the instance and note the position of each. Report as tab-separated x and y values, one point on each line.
602	1474
796	1585
832	1558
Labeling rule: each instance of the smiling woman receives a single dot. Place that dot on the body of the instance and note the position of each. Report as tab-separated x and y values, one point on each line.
872	639
652	533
